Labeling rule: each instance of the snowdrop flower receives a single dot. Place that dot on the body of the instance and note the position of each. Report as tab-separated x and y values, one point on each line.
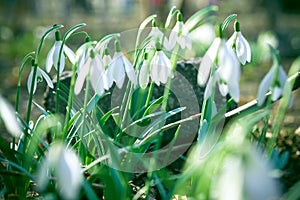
53	55
240	44
65	165
266	84
94	68
228	71
160	67
144	73
179	35
121	65
156	34
40	74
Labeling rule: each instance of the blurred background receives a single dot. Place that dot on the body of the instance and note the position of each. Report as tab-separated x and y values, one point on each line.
262	21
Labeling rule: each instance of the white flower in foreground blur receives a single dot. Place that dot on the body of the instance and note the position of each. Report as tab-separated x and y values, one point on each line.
94	69
40	74
65	166
228	71
9	118
246	177
53	55
240	44
160	68
179	35
121	65
266	85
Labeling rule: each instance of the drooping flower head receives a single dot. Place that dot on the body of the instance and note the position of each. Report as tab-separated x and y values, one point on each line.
240	44
160	67
267	84
180	35
65	166
120	66
53	55
94	69
221	62
155	34
40	75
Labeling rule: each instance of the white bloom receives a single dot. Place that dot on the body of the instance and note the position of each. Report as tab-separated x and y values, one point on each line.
144	75
160	68
9	118
107	78
40	74
208	61
156	35
119	65
53	55
65	165
266	85
231	178
95	68
258	182
242	47
228	71
179	35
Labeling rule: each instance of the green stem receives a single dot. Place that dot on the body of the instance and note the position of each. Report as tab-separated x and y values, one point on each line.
169	82
86	97
29	105
42	40
27	57
64	40
70	100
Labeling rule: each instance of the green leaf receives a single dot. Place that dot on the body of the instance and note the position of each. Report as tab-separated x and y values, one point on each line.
227	21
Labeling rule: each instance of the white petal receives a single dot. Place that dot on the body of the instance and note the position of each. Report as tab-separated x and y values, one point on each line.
165	65
154	72
144	76
70	54
29	82
49	59
118	71
81	76
42	177
234	91
231	41
56	55
9	118
108	79
207	62
223	88
69	174
264	87
241	49
82	60
96	75
229	65
46	77
129	70
208	88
